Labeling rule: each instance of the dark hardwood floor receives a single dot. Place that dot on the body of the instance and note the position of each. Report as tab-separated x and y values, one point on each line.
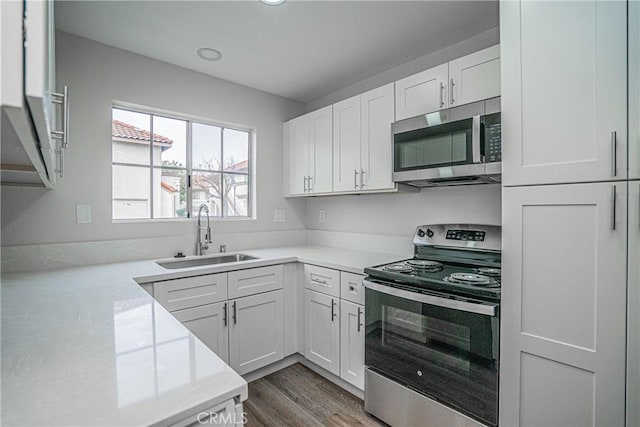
297	396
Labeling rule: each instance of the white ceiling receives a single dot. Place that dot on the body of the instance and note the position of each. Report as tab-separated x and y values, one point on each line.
300	50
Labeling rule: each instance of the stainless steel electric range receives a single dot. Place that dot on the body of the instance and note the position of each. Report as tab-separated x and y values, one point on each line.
432	330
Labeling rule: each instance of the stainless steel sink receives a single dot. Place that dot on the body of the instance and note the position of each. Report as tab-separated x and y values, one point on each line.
195	262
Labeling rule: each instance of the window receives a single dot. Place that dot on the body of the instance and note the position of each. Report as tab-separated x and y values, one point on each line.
166	167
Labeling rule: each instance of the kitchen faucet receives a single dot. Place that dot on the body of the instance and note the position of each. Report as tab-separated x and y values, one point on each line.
200	245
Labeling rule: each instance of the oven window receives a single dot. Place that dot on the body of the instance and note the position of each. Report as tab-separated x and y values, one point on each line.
447	354
442	145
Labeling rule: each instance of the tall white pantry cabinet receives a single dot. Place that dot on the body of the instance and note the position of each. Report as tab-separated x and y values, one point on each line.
570	214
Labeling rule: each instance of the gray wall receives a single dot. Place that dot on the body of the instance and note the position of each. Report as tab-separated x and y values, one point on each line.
96	75
488	38
399	214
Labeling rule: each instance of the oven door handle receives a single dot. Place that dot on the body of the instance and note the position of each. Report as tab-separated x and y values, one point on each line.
484	308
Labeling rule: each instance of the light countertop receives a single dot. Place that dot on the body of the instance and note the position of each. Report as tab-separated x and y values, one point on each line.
88	346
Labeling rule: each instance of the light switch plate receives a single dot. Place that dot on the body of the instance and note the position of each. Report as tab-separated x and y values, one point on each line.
279	215
83	214
322	217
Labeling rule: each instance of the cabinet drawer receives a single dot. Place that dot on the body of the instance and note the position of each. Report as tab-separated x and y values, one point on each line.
351	288
190	292
322	279
254	281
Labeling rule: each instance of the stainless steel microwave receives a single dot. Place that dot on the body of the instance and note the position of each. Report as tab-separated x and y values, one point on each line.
461	145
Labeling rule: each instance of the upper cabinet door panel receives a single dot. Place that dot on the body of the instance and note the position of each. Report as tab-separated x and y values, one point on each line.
346	144
422	93
564	74
475	77
298	140
376	156
634	90
321	133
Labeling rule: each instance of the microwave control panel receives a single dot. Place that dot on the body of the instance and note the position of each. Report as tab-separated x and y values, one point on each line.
493	138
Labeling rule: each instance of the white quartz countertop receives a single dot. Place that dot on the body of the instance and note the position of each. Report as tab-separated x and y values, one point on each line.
88	346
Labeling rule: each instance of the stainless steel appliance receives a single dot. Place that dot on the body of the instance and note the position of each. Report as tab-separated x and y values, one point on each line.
432	330
461	145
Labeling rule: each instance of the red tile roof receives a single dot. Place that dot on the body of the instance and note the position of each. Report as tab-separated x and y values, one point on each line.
125	130
169	188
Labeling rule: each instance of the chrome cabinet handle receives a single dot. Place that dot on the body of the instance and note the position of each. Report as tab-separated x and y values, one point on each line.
452	101
355	179
359	314
614	153
441	94
224	314
62	99
361	178
613	208
322	282
235	317
309	183
305	184
60	169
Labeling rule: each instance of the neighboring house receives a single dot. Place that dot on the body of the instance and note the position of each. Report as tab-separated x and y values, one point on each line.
131	198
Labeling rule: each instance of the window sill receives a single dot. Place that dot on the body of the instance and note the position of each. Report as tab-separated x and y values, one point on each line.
179	220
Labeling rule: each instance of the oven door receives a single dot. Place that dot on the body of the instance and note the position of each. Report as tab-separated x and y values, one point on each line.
442	346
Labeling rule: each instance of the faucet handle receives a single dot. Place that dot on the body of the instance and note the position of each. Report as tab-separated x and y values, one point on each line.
207	237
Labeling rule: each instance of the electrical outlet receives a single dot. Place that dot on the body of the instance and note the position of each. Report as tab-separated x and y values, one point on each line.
83	214
322	217
279	215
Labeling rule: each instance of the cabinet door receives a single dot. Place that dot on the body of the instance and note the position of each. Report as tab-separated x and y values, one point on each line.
475	77
634	90
351	287
563	311
253	281
322	330
209	324
633	292
321	161
376	156
564	89
422	93
297	131
346	144
352	343
256	336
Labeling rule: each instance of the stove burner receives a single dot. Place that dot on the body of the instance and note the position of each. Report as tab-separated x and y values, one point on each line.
489	271
425	265
471	279
398	268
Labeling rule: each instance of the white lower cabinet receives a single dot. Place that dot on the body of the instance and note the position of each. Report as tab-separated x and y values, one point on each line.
256	331
633	311
210	324
564	263
352	343
322	330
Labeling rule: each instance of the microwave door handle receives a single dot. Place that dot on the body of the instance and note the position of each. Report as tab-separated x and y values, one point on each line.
475	140
483	308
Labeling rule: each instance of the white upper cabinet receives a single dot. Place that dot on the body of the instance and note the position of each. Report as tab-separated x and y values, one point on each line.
468	79
346	144
362	144
564	86
563	325
422	93
321	128
297	138
475	77
376	149
309	158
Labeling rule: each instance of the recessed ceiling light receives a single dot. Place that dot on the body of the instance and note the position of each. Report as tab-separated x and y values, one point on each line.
272	2
209	54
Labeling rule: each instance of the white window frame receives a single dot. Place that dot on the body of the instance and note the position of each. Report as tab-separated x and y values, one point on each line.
251	168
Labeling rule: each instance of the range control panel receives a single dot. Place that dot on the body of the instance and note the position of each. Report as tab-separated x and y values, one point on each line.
469	235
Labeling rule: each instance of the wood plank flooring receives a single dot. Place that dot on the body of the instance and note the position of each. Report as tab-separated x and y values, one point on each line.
297	396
